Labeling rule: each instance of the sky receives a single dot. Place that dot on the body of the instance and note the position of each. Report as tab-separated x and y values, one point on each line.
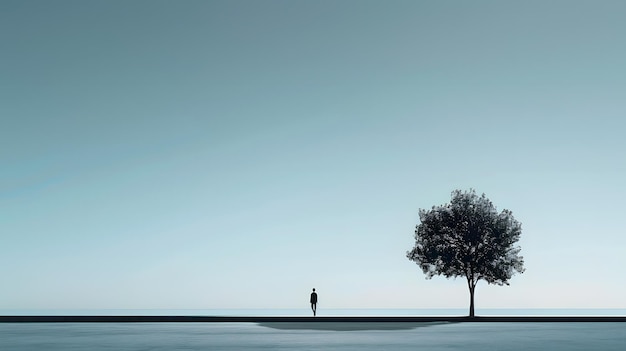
235	154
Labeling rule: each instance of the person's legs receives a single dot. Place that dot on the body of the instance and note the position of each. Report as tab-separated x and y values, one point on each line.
314	308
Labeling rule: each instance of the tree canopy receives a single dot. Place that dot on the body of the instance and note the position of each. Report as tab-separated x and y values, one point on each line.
468	238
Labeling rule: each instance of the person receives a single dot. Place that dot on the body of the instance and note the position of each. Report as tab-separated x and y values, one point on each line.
314	302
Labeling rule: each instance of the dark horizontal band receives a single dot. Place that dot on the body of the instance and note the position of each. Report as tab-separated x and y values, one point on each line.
286	319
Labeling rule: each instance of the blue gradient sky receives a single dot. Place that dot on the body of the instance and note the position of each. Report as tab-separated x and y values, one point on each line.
235	154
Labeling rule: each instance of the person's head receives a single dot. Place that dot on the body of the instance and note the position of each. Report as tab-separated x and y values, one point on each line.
313	289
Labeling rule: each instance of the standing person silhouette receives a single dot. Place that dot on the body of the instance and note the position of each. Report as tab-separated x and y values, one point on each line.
314	302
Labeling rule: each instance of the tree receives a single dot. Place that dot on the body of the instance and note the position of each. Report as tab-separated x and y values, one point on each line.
468	238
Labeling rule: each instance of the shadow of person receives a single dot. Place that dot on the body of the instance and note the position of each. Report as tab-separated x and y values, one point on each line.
348	326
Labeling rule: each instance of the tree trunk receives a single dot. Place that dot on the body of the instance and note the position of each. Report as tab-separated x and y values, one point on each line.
472	286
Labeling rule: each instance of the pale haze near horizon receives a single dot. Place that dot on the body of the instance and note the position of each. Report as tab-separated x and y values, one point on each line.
236	154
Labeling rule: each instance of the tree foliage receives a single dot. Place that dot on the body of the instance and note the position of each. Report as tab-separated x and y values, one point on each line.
468	238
